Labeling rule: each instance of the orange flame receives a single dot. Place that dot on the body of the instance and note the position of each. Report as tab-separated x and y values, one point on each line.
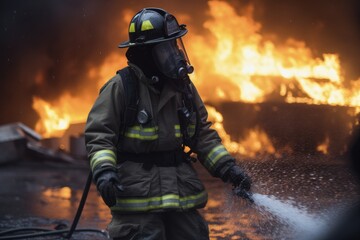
255	143
323	147
51	122
256	67
56	117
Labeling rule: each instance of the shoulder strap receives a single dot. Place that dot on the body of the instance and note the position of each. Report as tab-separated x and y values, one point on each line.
185	115
130	83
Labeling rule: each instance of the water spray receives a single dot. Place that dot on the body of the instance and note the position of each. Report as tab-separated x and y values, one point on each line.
298	218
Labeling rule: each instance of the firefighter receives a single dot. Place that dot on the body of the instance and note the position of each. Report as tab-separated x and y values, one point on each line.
143	132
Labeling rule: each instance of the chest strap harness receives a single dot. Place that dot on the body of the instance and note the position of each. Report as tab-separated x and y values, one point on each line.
185	113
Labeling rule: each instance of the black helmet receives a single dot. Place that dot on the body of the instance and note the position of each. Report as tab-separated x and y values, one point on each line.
153	25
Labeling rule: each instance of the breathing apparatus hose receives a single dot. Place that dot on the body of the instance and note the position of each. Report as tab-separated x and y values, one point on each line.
191	106
47	232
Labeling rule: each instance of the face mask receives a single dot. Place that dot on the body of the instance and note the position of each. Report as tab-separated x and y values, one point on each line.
172	60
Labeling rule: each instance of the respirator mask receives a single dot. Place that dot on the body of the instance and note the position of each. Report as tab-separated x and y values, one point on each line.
171	59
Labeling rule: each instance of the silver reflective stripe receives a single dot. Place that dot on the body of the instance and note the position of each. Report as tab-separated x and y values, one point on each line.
163	202
142	133
101	157
214	155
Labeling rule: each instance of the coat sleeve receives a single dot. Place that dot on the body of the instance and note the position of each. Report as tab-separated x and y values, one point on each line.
103	124
210	151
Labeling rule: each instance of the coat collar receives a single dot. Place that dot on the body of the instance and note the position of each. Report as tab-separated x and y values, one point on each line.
139	74
166	94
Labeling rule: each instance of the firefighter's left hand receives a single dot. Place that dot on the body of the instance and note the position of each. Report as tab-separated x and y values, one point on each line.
108	183
238	177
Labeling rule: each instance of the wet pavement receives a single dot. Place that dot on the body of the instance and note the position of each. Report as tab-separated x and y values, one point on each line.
47	195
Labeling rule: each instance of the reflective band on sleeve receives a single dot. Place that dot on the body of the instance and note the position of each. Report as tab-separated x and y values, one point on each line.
141	133
214	155
163	202
101	157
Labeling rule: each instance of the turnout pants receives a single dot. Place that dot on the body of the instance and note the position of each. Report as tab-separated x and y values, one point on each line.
188	225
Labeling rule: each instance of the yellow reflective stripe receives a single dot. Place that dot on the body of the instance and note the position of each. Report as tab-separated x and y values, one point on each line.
166	201
214	155
139	128
102	156
177	131
152	199
191	130
146	25
130	135
142	133
132	28
104	151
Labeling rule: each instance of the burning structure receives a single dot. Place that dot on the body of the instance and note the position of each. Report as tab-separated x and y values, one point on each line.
19	142
265	95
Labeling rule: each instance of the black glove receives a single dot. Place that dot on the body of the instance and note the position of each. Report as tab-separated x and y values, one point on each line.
108	184
239	178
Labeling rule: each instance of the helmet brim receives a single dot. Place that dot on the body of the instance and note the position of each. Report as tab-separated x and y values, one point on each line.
158	40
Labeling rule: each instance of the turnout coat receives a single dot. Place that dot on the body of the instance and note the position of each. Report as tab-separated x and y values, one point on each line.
148	156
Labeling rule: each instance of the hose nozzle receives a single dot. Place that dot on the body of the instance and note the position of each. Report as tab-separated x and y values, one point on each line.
244	194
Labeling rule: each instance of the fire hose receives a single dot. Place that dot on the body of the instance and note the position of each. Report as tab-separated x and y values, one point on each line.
42	232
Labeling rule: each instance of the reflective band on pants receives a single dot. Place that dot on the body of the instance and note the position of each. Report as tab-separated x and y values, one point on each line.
163	202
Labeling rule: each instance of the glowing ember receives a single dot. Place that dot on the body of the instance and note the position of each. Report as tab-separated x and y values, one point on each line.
323	147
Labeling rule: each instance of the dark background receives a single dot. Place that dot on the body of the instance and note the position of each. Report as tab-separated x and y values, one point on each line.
63	39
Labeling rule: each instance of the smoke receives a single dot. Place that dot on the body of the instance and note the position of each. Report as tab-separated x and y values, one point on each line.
48	46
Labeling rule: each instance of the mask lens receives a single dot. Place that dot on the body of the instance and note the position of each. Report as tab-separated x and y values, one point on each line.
168	58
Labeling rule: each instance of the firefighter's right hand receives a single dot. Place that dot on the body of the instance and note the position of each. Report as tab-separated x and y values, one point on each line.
239	178
108	184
